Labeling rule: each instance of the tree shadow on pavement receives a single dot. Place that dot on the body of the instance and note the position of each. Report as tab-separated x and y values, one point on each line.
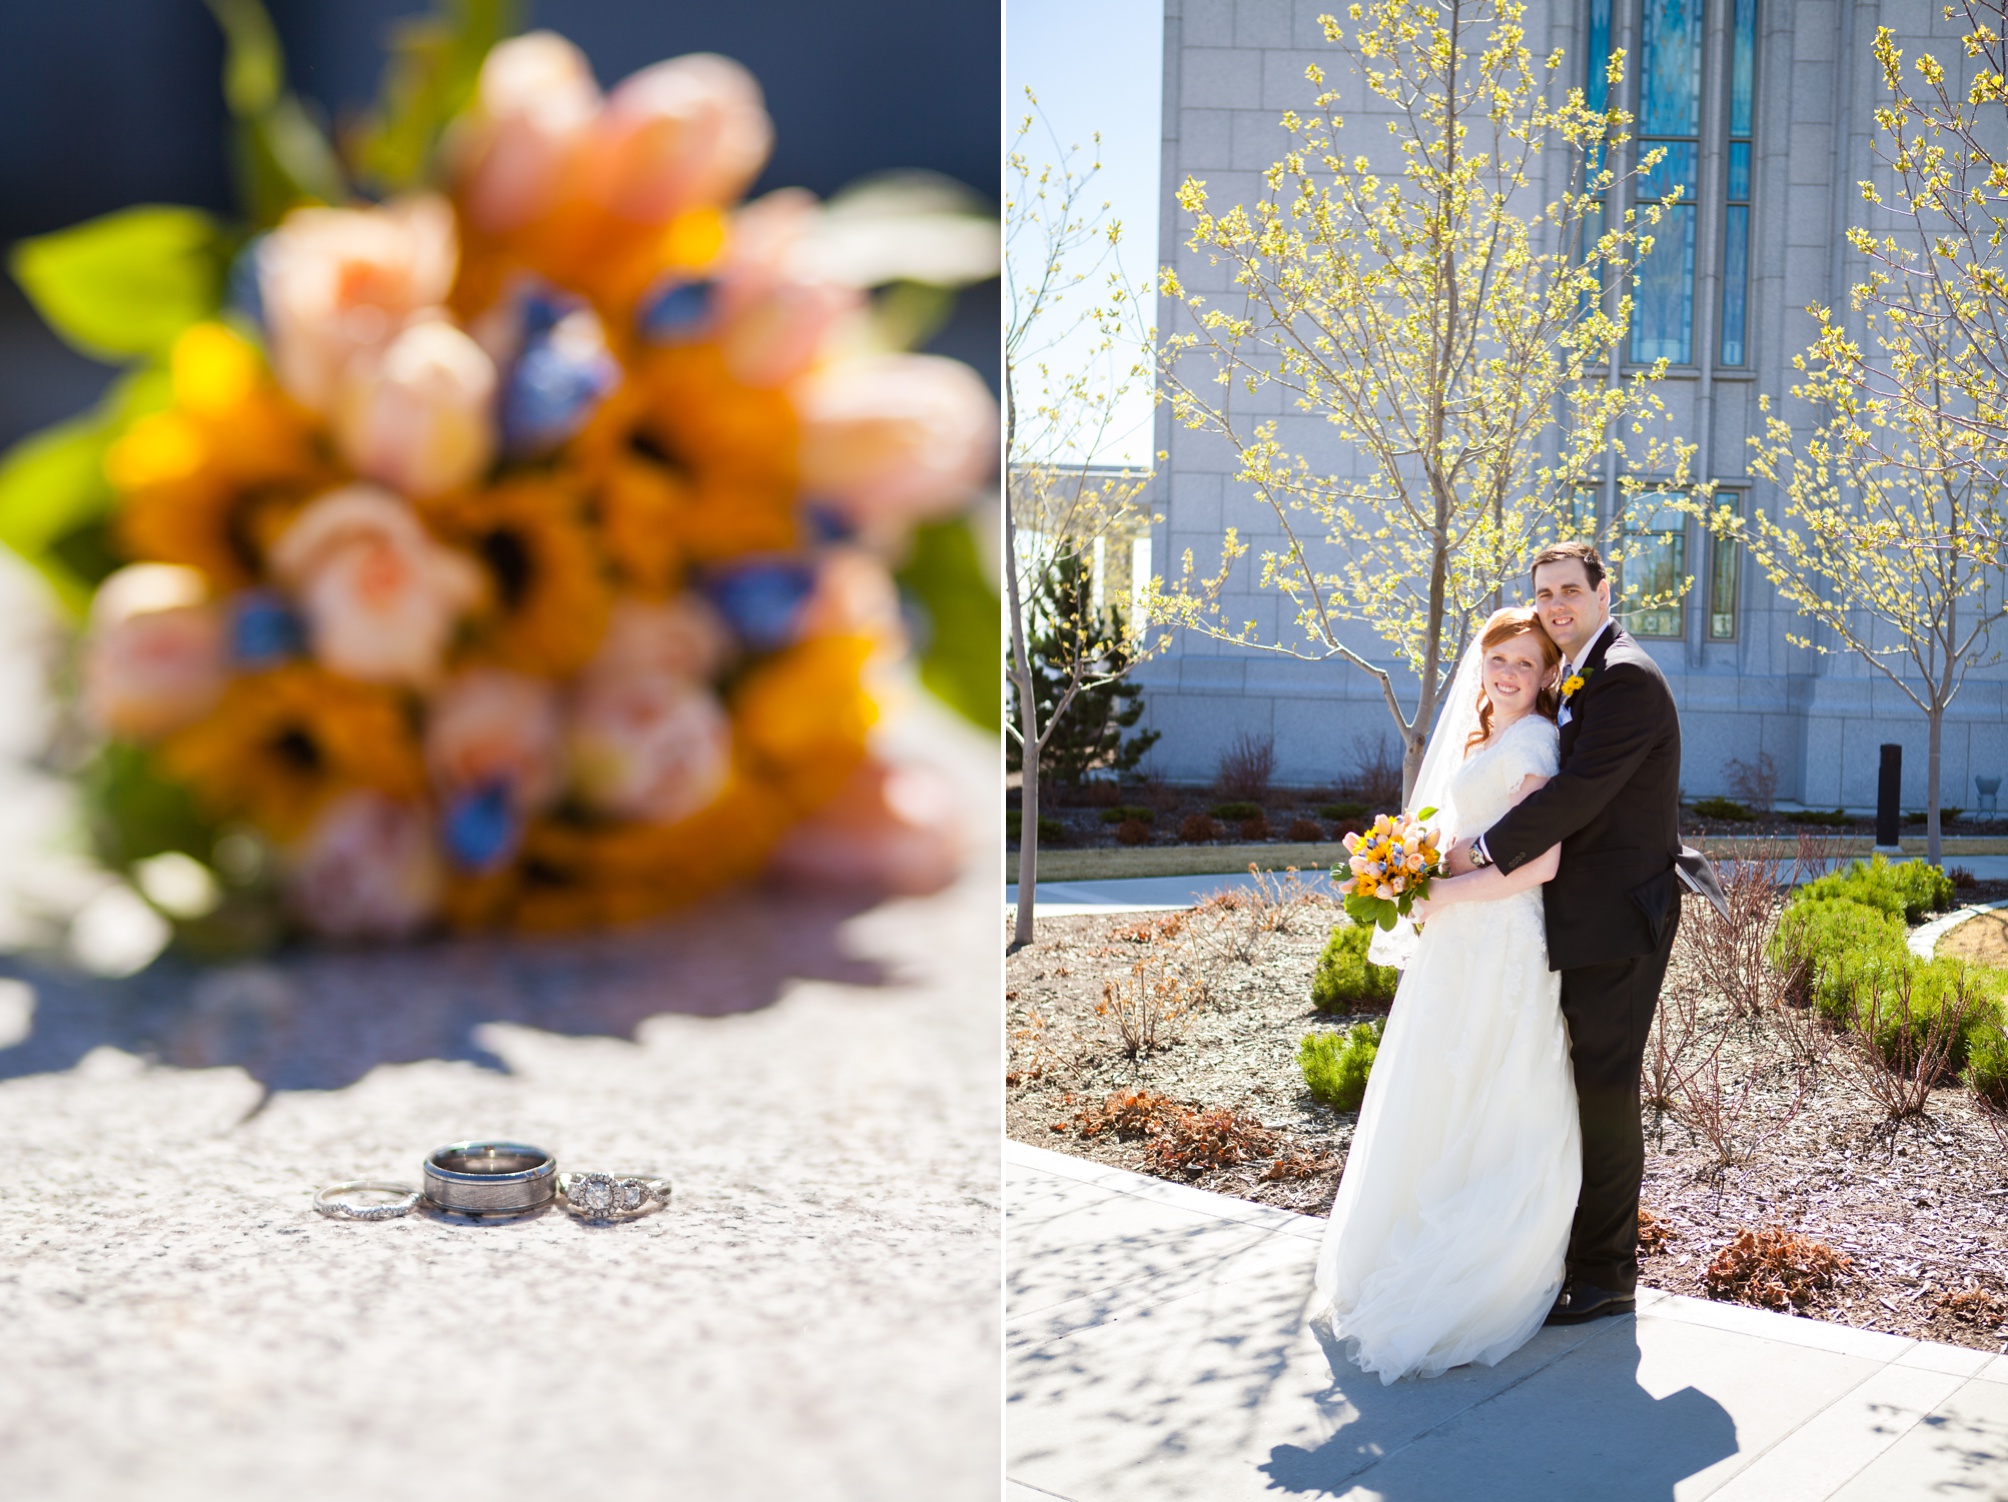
320	1019
1578	1425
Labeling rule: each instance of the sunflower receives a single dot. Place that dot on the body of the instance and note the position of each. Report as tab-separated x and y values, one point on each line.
801	718
576	874
683	456
280	743
205	481
549	592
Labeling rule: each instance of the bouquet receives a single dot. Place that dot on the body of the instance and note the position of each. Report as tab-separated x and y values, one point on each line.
512	549
1391	865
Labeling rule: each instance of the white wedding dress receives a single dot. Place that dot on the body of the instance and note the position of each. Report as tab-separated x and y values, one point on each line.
1446	1241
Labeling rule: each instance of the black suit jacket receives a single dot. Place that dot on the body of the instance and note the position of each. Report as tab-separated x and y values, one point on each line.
1614	808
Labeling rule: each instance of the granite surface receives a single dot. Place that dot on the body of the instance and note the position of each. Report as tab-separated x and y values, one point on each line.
816	1315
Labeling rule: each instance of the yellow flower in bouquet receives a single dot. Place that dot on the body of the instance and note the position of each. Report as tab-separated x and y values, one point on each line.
518	551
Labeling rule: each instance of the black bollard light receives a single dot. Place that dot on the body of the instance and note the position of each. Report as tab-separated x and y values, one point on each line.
1889	793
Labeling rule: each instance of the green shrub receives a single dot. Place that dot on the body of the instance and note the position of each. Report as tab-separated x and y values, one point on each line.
1722	808
1837	945
1337	811
1945	815
1345	976
1234	813
1126	812
1908	889
1051	831
1815	816
1987	1060
1336	1065
1933	984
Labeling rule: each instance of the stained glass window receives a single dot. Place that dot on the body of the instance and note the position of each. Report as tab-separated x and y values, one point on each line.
1736	209
1669	117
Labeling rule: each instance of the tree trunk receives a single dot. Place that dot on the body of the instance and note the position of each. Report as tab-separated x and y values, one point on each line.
1933	847
1413	747
1028	845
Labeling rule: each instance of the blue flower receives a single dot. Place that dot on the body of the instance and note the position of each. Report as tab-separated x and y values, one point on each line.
763	601
677	312
560	374
242	293
264	630
482	829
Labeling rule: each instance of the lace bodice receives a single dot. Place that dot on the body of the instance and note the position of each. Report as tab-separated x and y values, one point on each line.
1483	788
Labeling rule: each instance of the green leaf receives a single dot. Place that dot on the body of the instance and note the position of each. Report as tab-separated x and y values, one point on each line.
254	69
54	499
945	577
435	62
124	285
134	812
283	157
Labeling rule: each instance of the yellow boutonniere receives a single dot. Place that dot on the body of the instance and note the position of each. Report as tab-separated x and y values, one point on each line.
1570	684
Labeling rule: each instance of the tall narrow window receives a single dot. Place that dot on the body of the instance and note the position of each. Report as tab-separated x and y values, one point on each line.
1669	121
1736	207
1725	562
1597	96
1652	575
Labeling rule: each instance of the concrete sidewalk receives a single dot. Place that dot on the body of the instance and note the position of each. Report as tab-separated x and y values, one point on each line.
1157	1350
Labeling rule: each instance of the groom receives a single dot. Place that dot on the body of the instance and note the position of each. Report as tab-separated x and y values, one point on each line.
1614	808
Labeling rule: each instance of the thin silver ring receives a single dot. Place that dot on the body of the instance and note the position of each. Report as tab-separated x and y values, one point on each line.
330	1203
490	1178
612	1196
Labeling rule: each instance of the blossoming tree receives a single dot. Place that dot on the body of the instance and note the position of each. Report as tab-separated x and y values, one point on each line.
1888	535
1065	382
1442	321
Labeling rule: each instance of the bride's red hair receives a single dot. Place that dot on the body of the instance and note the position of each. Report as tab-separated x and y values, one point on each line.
1503	626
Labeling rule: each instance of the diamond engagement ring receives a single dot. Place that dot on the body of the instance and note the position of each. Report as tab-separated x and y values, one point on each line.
344	1201
611	1196
490	1178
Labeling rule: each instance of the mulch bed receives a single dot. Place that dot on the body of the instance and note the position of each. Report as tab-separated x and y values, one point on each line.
1079	811
1917	1209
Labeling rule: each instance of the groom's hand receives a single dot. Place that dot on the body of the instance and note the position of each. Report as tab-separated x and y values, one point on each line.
1458	857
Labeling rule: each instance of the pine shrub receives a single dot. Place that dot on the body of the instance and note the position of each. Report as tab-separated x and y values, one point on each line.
1338	812
1234	813
1345	977
1336	1065
1126	812
1723	808
1907	889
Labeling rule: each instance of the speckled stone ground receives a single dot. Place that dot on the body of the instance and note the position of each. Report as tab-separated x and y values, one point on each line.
815	1316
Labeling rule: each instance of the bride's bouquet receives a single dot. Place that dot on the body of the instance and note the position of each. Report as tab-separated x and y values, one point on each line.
1392	865
498	528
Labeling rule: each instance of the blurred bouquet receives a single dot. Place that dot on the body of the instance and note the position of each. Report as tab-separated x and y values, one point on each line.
1391	865
514	549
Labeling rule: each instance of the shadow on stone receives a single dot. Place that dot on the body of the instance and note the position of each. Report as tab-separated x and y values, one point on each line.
321	1019
1583	1426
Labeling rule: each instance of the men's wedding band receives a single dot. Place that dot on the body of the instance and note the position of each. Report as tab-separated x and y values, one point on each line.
338	1200
611	1196
490	1178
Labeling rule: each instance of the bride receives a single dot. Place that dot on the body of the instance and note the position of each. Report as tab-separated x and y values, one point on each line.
1446	1241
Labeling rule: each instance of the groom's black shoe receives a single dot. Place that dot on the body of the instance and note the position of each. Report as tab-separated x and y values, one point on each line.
1585	1301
